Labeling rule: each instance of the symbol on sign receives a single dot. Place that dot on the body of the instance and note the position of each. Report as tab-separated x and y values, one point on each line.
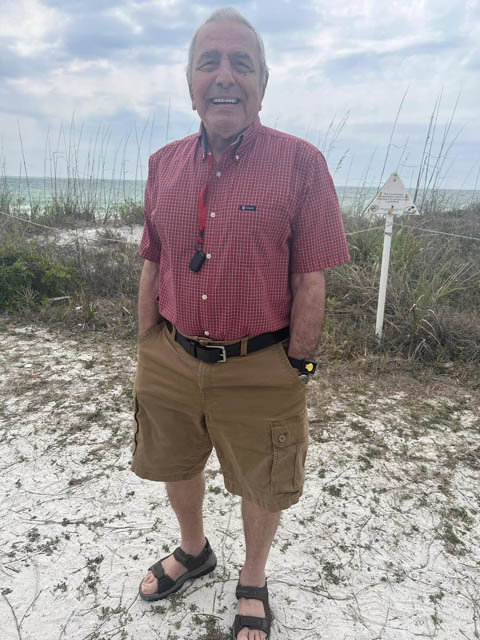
392	199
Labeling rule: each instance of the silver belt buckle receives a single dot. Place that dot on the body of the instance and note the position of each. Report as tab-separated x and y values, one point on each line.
218	346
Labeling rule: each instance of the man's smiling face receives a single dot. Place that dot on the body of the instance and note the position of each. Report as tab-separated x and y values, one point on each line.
226	85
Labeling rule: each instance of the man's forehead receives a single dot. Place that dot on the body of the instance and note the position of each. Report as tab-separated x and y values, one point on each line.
223	34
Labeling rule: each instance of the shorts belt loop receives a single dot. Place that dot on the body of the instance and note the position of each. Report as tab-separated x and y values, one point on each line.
243	347
174	331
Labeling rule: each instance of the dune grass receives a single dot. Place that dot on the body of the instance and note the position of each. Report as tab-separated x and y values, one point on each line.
433	295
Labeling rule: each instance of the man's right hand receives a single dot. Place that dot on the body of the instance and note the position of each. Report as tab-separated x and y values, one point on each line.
148	316
140	335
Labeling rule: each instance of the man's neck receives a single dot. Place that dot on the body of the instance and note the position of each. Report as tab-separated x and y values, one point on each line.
217	144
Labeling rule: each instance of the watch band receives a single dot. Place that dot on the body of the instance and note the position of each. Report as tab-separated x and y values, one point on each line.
307	367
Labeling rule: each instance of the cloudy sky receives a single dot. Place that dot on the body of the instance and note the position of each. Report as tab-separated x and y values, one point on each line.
107	77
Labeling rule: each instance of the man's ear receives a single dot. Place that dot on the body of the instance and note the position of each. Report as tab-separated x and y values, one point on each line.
191	95
265	84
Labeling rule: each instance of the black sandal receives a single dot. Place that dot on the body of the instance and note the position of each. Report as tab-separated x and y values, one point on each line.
252	622
196	566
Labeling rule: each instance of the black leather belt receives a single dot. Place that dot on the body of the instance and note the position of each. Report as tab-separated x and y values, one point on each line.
218	353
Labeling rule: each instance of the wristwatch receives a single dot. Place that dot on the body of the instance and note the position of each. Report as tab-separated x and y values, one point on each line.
306	368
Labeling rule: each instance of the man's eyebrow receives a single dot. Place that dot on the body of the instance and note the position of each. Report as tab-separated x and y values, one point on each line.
208	54
242	56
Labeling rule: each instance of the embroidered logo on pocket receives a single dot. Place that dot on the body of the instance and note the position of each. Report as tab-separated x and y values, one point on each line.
248	207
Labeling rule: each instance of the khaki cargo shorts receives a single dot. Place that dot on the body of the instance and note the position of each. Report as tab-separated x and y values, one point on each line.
251	408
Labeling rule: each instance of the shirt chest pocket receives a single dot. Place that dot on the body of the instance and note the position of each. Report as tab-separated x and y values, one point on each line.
255	225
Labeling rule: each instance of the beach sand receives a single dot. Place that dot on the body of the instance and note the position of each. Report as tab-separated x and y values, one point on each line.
383	545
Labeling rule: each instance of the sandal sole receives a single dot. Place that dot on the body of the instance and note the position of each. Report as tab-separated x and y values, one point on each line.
190	575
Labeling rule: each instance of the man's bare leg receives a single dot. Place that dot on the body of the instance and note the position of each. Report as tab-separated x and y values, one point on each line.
186	499
259	527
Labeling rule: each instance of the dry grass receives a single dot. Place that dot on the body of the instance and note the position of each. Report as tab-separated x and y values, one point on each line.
433	296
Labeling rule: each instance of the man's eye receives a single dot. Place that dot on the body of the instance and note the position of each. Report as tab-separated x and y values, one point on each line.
207	65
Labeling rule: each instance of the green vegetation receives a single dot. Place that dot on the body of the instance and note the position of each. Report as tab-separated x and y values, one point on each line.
30	275
433	296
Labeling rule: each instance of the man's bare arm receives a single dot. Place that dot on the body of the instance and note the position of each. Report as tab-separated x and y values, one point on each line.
148	315
308	310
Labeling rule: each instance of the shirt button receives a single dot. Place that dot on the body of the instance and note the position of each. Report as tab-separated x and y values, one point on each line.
204	297
218	174
209	255
237	158
282	438
212	215
207	333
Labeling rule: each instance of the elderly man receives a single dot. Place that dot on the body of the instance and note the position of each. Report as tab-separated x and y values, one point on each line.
240	223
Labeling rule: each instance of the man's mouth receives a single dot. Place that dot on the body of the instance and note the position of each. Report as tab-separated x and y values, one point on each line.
224	100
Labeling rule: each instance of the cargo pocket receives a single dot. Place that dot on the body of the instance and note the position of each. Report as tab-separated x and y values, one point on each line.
136	426
290	443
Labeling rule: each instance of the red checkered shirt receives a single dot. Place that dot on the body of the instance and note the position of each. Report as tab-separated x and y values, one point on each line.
271	210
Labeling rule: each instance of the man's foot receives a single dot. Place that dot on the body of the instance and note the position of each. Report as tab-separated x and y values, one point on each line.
251	607
172	568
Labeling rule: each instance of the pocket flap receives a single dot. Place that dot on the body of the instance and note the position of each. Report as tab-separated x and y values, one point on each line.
284	434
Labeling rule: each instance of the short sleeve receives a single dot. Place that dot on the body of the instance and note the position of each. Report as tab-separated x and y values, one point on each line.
150	244
318	238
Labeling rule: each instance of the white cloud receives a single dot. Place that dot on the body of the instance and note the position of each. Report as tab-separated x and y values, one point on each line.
125	16
30	27
325	59
99	89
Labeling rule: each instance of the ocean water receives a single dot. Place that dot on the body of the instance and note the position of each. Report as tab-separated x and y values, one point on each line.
105	194
101	193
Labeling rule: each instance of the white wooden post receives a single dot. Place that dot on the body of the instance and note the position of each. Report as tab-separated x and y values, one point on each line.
382	293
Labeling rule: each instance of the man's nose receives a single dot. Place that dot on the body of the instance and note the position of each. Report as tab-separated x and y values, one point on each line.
224	74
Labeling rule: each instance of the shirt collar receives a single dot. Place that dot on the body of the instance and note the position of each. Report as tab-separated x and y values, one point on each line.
239	146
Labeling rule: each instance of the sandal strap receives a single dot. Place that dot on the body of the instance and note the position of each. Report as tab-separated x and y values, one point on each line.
253	593
193	562
164	582
251	622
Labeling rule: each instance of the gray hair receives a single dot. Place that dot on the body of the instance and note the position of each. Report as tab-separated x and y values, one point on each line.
232	15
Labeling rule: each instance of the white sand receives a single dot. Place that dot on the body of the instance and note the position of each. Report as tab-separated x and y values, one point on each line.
380	547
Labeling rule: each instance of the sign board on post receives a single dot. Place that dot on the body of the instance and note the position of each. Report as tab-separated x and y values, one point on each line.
391	199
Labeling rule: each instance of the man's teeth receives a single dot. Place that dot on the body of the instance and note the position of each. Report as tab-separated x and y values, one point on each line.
225	100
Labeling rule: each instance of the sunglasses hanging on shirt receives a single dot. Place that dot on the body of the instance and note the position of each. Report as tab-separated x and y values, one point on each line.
197	261
199	256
